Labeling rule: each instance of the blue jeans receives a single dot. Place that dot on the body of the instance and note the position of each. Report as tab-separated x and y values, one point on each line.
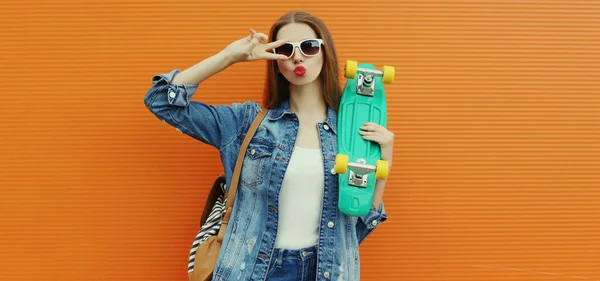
293	265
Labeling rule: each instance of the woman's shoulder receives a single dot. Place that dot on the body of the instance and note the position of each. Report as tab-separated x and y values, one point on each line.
251	110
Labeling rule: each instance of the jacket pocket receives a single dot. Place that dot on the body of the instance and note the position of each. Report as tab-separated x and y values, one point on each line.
258	156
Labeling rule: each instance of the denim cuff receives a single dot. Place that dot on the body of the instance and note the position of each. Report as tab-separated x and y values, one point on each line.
178	94
375	216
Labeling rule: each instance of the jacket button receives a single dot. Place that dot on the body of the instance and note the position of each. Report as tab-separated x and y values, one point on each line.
253	151
326	274
172	94
326	127
374	222
330	224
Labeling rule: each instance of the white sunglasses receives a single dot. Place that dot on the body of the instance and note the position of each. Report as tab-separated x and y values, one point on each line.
308	47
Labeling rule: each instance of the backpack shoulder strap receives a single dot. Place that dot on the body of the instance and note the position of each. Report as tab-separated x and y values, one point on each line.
236	172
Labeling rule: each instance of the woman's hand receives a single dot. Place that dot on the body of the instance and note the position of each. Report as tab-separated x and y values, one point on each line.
384	137
252	48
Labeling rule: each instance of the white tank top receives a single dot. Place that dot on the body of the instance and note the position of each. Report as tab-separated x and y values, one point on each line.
300	200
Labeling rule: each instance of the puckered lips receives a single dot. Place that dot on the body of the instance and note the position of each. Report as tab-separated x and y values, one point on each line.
300	70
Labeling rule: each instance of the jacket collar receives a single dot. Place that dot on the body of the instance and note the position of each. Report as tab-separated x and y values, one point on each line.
283	109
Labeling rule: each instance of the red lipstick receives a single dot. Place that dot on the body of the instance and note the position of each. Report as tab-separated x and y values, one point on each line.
300	70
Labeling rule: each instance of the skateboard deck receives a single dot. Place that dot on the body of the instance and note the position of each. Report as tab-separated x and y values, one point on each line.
358	162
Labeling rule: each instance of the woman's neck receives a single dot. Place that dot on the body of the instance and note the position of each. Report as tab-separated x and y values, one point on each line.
308	100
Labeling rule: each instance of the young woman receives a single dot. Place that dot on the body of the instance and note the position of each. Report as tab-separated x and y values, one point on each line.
285	224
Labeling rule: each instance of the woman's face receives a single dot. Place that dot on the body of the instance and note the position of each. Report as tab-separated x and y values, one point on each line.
301	68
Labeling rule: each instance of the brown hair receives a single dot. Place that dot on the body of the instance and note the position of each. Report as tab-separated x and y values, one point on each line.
277	87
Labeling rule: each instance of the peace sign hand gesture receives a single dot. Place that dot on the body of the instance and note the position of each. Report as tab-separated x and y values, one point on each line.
251	48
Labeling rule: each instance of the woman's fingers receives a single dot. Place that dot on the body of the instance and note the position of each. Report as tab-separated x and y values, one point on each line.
251	35
256	37
370	126
373	132
371	136
272	56
265	51
370	133
275	44
261	37
269	50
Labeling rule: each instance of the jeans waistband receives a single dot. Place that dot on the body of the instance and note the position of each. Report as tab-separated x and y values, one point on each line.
299	254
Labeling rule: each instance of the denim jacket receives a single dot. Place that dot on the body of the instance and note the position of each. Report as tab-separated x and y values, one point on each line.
249	241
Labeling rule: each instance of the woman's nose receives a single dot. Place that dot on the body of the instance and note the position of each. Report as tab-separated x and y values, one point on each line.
298	57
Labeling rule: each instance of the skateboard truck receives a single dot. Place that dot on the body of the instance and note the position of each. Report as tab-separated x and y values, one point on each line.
359	170
365	85
359	173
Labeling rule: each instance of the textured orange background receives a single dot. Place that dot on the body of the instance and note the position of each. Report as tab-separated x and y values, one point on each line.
496	109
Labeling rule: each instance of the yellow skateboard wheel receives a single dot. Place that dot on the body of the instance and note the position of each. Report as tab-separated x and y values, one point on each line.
350	69
341	164
382	170
389	72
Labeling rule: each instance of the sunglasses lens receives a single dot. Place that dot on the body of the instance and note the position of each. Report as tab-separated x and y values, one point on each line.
310	47
285	49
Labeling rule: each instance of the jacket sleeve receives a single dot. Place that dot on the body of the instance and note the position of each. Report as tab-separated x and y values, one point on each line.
368	223
216	125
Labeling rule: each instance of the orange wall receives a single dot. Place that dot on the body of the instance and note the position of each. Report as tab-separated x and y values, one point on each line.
496	109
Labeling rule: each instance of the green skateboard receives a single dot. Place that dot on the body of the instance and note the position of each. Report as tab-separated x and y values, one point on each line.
358	162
